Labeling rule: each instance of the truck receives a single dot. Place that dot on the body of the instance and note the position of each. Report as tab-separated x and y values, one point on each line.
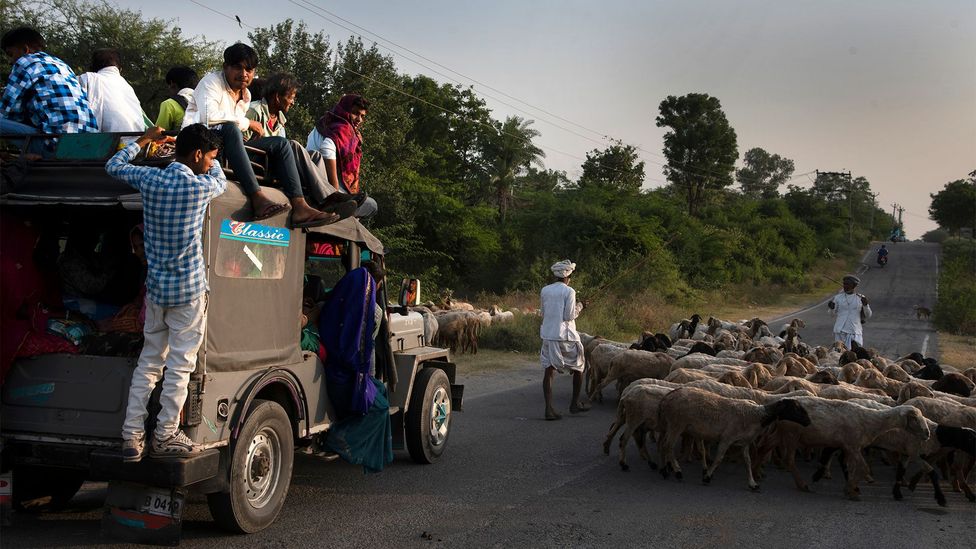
255	397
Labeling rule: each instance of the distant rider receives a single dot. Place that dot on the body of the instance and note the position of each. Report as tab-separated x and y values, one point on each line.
883	254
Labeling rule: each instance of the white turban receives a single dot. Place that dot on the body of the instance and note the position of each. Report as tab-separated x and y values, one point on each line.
563	268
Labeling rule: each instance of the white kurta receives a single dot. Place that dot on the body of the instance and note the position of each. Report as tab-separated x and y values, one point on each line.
561	345
214	102
113	101
847	311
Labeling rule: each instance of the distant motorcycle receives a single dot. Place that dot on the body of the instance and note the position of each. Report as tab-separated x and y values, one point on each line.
882	260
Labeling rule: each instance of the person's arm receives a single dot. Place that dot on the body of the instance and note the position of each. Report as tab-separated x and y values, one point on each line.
328	150
572	308
866	307
12	101
120	167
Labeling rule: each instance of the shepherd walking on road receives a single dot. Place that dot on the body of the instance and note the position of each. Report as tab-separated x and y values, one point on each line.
562	349
850	310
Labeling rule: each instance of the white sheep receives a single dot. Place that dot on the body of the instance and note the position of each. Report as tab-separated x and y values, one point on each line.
631	365
710	417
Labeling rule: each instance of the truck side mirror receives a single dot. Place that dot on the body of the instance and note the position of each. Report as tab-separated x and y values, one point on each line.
410	292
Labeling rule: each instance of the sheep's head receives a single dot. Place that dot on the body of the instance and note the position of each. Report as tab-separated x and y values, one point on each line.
897	373
821	352
915	422
786	409
825	377
847	356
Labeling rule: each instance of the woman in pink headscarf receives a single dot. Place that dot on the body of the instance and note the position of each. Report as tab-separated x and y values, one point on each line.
336	136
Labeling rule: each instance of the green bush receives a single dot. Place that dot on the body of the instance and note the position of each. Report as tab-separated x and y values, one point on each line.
955	311
522	335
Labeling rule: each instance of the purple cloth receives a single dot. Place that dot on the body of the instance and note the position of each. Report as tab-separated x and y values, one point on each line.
346	328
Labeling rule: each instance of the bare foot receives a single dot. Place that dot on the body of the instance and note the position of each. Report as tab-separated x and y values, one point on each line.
551	415
579	407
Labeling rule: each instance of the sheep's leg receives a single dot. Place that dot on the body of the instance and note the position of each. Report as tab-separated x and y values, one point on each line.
599	388
666	452
624	439
826	457
789	454
939	496
723	446
753	485
959	476
899	479
618	422
855	464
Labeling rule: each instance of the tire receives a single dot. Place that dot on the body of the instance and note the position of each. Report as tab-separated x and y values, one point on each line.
428	419
44	488
261	463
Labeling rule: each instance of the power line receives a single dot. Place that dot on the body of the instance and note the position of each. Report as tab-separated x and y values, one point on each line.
318	10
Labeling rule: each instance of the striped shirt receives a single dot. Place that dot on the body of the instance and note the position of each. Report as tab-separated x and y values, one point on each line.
174	206
44	92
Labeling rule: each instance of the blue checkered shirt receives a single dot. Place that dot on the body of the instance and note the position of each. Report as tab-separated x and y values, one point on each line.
44	92
174	205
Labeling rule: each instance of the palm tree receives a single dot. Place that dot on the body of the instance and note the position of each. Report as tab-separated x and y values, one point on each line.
509	153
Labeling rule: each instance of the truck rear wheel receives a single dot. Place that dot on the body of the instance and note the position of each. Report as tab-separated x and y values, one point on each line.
428	420
42	488
260	471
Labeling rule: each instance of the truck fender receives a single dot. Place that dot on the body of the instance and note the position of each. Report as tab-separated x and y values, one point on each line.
274	376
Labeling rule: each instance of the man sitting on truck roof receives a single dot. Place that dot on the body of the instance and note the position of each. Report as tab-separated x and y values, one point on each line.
181	81
221	99
174	205
42	93
112	99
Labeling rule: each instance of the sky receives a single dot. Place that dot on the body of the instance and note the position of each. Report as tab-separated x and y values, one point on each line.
885	89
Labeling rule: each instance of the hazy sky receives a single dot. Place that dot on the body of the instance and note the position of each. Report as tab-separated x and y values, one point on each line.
883	88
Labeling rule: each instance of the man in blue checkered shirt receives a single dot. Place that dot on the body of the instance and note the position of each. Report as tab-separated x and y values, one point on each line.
42	95
174	206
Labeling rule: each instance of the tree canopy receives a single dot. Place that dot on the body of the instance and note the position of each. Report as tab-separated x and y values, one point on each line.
954	207
763	173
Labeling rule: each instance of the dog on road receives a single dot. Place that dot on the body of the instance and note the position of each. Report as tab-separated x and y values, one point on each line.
922	312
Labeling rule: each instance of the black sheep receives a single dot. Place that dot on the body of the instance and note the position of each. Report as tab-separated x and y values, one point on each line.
954	384
930	370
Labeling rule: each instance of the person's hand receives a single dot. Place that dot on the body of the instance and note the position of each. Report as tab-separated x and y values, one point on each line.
154	134
255	127
830	305
864	300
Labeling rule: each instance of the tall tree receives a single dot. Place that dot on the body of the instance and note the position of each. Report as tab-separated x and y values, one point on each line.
762	173
508	154
954	207
290	47
700	146
616	168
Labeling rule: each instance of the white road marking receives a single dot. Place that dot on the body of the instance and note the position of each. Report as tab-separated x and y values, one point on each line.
925	345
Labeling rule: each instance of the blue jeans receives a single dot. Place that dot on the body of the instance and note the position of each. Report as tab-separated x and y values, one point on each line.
37	146
282	161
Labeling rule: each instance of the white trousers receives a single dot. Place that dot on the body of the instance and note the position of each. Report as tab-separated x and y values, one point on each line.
173	337
846	338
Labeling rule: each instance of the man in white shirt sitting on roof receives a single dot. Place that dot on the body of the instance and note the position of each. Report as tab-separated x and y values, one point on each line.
112	99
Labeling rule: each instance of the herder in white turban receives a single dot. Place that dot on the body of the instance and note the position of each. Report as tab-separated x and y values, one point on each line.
562	349
851	310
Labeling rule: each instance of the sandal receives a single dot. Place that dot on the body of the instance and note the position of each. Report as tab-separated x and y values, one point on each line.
322	218
271	210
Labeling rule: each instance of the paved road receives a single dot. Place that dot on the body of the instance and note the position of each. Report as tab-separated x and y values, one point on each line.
511	479
909	279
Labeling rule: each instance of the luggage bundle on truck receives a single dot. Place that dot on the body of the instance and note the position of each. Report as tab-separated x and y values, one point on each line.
255	395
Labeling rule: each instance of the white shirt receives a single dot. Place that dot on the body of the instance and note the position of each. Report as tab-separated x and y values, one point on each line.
214	102
113	101
559	311
324	145
847	309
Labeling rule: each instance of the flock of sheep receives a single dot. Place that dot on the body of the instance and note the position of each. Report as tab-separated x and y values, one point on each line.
739	386
457	324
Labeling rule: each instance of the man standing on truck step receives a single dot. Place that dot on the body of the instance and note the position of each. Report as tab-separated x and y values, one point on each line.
174	205
561	346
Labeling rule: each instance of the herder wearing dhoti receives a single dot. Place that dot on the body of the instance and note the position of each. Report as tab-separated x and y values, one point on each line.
561	347
849	308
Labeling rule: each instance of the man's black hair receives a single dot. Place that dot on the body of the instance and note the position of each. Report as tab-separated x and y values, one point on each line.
197	136
374	270
360	102
279	84
184	77
105	57
241	54
22	36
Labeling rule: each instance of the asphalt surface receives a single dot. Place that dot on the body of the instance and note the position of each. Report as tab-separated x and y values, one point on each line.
509	478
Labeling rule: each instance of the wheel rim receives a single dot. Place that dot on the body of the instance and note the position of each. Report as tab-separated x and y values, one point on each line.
440	416
262	469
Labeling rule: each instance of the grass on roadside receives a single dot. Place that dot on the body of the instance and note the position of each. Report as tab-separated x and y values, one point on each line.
957	350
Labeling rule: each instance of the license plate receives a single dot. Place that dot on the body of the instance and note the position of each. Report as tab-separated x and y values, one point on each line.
161	503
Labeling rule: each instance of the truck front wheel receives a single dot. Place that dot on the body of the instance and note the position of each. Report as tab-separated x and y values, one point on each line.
428	420
260	471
